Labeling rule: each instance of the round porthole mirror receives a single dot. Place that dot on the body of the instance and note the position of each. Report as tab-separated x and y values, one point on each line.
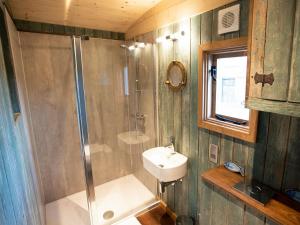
176	76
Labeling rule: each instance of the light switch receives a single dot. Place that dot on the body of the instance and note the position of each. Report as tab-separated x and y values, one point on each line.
213	153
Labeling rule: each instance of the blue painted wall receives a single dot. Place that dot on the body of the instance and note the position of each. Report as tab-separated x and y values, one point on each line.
19	193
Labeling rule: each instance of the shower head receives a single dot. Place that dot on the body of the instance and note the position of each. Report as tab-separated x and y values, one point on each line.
134	46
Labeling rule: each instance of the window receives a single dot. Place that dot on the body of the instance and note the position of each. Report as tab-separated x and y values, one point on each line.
222	89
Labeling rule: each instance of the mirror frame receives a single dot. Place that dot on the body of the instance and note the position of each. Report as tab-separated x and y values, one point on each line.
183	76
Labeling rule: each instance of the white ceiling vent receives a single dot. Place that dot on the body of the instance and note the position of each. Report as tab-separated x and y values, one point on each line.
229	19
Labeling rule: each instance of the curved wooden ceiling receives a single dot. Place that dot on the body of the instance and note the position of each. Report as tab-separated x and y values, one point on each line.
112	15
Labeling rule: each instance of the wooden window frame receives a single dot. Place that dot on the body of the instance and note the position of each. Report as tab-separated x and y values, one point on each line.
244	132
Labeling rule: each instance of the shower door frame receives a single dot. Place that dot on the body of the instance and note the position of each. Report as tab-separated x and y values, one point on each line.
84	135
83	126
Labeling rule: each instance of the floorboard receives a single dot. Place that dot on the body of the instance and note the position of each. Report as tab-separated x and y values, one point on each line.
156	216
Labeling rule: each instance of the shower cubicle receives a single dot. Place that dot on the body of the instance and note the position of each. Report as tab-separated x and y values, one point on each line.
93	109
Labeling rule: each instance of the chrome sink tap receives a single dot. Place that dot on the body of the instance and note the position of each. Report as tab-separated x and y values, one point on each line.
171	145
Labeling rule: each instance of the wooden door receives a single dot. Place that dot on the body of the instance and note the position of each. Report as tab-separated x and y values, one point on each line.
271	47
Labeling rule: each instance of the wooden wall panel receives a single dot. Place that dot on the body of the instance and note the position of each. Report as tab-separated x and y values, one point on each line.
166	100
276	150
19	191
182	111
17	62
193	163
292	161
293	95
260	159
282	43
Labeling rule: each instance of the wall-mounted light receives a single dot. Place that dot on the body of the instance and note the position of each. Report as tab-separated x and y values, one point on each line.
173	37
177	35
131	47
140	44
136	45
160	39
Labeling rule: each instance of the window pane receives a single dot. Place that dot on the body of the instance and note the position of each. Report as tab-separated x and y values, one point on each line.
231	87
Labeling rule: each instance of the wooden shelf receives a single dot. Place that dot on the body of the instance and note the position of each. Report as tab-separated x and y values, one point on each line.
274	209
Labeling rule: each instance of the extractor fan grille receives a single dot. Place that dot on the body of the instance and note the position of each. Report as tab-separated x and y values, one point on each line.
229	19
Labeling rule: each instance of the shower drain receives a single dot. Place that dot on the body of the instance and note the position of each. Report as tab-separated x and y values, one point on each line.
108	214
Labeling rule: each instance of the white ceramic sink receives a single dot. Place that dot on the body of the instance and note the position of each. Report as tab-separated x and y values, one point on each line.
165	164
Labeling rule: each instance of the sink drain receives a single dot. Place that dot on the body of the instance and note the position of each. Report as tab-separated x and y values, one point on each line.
108	214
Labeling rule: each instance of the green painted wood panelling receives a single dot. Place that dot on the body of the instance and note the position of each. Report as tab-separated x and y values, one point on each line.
36	27
166	100
18	194
278	61
182	112
295	60
244	18
285	108
193	159
252	217
10	73
274	148
292	164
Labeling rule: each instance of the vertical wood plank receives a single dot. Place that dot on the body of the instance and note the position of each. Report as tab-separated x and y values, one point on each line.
252	217
236	214
166	100
209	197
261	146
257	48
33	186
218	197
17	196
239	152
226	149
276	150
292	164
215	35
219	207
205	189
244	18
182	101
235	211
294	87
206	27
281	43
270	222
193	176
7	215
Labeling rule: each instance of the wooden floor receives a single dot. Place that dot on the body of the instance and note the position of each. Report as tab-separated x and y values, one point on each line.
156	216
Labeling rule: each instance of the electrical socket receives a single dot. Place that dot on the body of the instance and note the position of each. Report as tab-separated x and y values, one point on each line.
213	153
